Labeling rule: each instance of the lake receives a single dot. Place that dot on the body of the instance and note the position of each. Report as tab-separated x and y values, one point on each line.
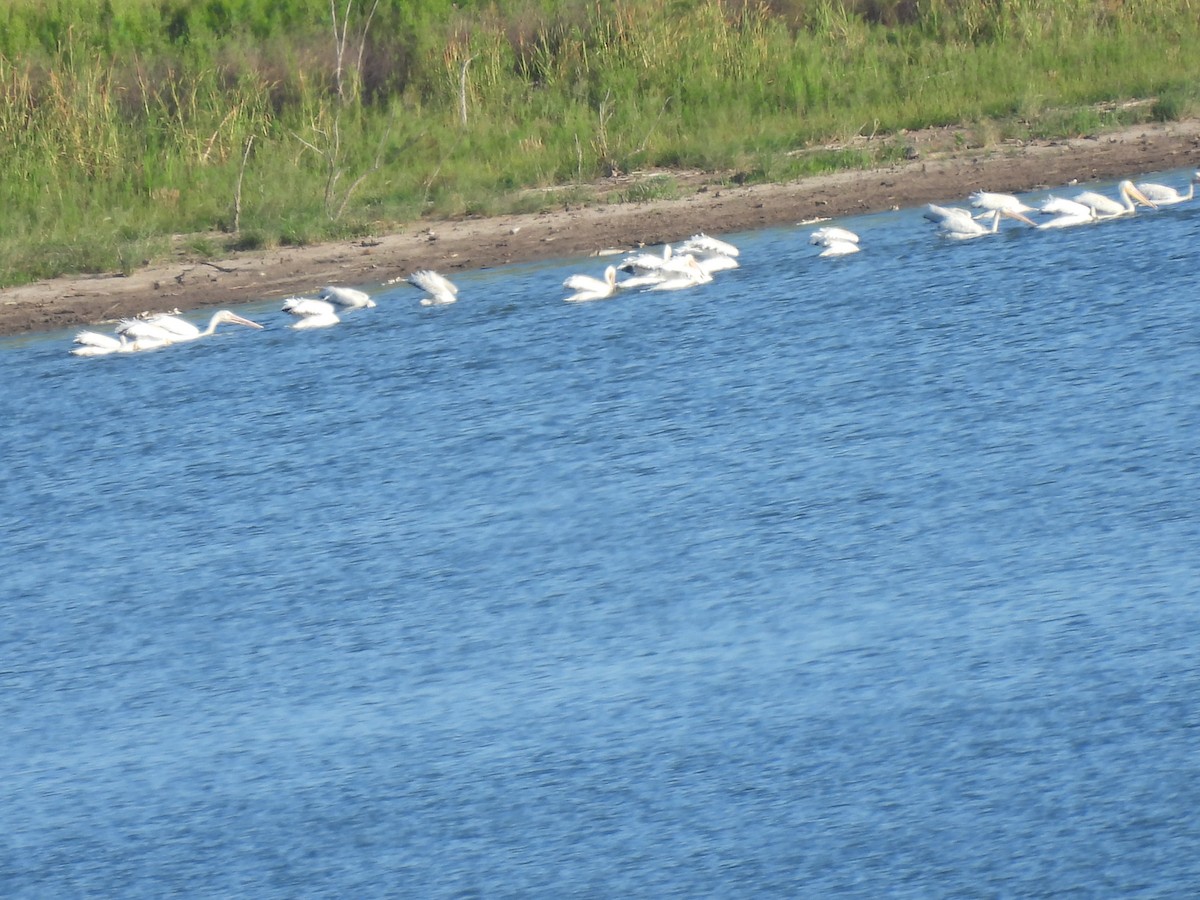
860	577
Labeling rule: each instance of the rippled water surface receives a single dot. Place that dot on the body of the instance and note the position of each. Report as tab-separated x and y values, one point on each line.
860	577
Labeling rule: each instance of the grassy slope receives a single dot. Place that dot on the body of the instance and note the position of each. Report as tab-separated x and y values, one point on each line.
129	121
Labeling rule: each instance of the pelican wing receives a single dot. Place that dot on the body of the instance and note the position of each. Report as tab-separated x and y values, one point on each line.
644	262
717	263
440	288
1101	205
174	325
1162	194
318	320
585	283
824	237
688	275
348	297
703	243
95	339
307	306
1060	206
942	214
839	248
138	329
1003	202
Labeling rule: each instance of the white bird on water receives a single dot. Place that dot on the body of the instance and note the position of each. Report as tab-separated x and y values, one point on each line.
1065	213
588	288
1107	208
647	264
440	289
704	244
991	202
174	330
835	241
959	224
686	275
92	343
310	313
350	298
713	254
1162	195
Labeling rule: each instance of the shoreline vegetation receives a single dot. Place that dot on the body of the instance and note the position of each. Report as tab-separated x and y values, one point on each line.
181	154
142	134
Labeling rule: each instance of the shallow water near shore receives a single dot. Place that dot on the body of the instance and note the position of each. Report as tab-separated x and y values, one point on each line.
858	577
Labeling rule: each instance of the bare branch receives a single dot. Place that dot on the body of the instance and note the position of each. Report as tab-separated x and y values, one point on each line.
237	194
362	41
462	91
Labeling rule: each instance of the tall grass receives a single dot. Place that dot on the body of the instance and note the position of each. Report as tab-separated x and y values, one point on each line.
125	122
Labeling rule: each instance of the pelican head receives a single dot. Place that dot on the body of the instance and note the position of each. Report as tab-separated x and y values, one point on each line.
227	317
1130	192
1018	215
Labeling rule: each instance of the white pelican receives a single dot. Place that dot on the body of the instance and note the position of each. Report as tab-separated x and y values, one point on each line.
310	313
1005	203
703	244
687	275
715	262
440	289
1107	208
836	241
646	263
588	288
175	330
92	343
642	280
1066	213
347	297
958	224
712	254
1161	195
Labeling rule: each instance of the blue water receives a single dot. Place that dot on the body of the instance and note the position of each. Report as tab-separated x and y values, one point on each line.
874	576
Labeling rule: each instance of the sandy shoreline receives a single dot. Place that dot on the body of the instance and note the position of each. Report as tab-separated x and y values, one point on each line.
938	173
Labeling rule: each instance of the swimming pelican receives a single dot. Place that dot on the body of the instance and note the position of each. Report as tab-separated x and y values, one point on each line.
958	224
646	263
92	343
1107	208
703	244
1006	203
1161	195
441	290
175	330
1066	213
714	262
347	297
642	280
836	241
310	313
712	254
688	274
588	288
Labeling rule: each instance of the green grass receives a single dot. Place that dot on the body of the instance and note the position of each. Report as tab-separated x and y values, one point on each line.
124	122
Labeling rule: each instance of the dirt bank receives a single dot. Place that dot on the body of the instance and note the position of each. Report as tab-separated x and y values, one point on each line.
939	171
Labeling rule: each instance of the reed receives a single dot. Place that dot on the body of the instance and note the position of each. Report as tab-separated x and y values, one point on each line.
126	122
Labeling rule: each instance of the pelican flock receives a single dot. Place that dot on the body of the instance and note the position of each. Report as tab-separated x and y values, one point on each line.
1085	208
688	264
